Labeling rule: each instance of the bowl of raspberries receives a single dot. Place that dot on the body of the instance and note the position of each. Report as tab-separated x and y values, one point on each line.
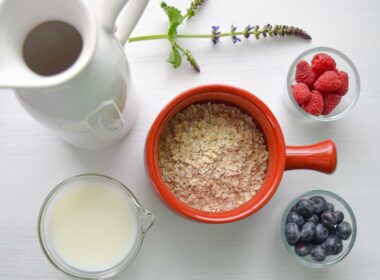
318	228
323	84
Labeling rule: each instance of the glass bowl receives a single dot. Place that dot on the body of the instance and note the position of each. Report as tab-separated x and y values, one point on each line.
341	205
344	64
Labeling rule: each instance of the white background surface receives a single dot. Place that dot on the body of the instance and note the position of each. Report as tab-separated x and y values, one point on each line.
33	160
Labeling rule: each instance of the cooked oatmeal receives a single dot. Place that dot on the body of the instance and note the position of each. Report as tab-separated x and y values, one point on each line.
212	157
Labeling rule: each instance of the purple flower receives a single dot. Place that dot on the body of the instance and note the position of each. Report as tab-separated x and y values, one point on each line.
235	39
215	34
247	29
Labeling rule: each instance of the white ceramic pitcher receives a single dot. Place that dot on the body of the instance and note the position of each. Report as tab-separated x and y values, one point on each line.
89	104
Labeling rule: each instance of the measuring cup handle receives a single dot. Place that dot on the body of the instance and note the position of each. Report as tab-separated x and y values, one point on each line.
321	157
110	10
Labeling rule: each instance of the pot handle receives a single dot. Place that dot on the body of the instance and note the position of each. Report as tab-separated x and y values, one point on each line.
110	10
320	156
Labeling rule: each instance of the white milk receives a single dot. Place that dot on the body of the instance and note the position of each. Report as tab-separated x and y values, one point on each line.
92	225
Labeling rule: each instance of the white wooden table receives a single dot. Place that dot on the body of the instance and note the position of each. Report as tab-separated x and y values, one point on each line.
33	160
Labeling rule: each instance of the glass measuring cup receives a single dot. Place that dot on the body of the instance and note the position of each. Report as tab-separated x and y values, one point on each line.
142	219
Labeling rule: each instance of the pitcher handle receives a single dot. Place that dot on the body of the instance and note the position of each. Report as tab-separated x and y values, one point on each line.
320	157
110	11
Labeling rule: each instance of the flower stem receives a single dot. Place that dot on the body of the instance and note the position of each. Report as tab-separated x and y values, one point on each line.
190	58
180	48
201	36
148	37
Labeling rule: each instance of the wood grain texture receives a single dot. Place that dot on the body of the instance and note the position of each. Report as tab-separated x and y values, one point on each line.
33	160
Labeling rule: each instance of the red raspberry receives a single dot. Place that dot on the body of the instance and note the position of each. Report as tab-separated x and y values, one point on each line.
301	93
344	80
315	105
327	82
304	74
331	101
321	63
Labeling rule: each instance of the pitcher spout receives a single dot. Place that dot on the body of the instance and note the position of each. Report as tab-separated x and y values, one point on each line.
146	219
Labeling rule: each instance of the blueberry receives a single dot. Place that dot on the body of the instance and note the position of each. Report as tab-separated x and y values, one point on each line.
314	219
292	233
344	230
305	208
302	249
333	245
308	231
321	234
319	204
339	216
329	207
318	197
293	217
332	231
328	219
318	254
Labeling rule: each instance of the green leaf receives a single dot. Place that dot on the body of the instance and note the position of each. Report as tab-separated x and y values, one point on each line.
175	57
175	18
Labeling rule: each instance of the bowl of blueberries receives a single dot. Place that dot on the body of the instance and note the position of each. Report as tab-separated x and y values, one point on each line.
318	228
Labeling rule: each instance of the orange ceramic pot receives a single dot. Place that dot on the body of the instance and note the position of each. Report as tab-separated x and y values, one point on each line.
321	157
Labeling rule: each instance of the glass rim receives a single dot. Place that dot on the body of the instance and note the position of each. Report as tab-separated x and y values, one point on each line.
352	239
102	274
341	55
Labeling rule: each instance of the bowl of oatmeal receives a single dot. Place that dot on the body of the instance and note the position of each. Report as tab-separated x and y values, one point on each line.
216	154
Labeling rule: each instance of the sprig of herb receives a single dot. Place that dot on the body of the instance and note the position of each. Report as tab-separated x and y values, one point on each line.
176	18
193	7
